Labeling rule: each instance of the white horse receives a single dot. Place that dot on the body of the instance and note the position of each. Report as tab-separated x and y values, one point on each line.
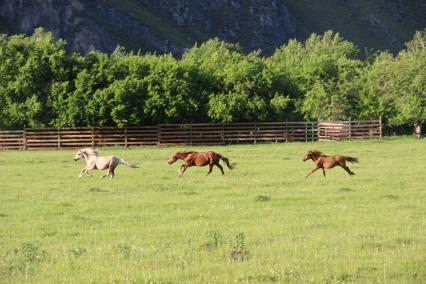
95	162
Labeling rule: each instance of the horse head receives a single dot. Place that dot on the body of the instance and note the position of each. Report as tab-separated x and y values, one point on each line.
84	152
311	155
78	155
172	159
179	155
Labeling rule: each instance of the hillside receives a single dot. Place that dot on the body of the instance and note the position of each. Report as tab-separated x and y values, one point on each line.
171	26
376	24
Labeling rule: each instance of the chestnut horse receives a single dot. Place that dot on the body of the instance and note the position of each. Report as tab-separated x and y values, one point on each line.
327	162
200	159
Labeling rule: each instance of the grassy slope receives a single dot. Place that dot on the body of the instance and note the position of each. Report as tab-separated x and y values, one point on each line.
146	225
160	25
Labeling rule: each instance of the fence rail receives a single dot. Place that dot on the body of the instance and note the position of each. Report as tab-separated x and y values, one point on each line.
187	134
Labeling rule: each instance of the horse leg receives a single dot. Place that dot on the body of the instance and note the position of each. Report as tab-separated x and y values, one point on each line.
210	169
182	169
311	172
221	168
81	172
105	175
348	170
111	173
323	171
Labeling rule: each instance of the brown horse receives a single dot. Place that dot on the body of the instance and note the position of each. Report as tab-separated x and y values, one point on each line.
327	162
200	159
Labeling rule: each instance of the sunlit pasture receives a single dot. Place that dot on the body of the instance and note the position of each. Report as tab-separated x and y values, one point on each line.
261	222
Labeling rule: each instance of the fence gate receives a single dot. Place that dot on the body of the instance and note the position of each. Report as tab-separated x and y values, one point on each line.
334	130
351	129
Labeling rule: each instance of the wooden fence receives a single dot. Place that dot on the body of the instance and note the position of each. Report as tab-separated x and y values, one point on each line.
185	134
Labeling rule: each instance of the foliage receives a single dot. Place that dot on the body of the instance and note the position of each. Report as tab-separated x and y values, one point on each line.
28	68
322	78
322	70
397	84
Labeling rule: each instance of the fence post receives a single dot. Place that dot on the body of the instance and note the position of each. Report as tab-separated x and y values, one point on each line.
59	137
350	128
286	131
190	134
254	132
158	134
306	132
223	133
380	122
125	136
92	131
24	138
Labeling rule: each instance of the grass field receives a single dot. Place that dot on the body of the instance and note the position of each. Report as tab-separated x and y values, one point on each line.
262	222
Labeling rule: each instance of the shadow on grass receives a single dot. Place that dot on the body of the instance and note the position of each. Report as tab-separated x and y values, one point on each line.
96	189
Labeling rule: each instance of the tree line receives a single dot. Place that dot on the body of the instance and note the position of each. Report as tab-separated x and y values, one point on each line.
324	77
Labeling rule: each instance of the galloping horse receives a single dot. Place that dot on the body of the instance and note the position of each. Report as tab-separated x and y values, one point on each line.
95	162
200	159
325	162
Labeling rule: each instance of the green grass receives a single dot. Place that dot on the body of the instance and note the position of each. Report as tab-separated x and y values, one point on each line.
262	222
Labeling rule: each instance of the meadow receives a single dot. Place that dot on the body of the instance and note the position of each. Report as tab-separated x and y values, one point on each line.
262	222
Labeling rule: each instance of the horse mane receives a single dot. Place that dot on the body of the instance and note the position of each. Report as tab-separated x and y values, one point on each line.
89	151
184	152
316	152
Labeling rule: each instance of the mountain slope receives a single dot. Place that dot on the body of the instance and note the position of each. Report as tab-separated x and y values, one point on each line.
172	26
376	24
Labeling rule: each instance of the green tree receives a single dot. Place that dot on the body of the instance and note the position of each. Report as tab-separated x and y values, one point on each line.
169	91
205	64
323	71
400	84
370	102
234	86
28	67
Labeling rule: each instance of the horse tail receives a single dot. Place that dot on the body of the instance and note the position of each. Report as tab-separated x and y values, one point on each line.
230	165
122	161
351	159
